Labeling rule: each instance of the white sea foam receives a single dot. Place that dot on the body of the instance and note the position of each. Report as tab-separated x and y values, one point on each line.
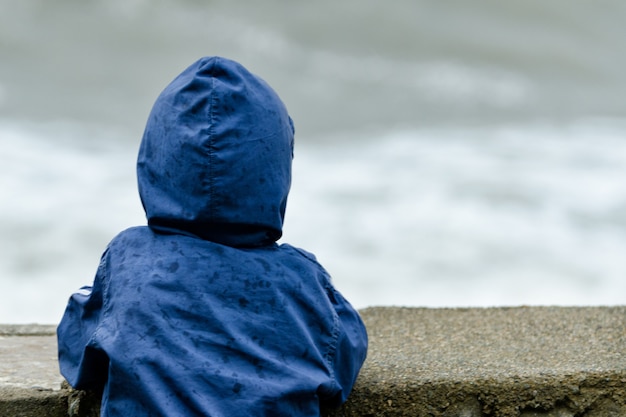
468	218
479	217
61	203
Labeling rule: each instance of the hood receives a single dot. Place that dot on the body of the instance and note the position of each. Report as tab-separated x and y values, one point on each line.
215	158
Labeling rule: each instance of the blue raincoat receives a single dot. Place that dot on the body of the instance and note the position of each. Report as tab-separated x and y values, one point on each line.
202	313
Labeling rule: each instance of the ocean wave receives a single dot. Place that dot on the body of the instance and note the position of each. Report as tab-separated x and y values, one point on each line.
469	217
504	215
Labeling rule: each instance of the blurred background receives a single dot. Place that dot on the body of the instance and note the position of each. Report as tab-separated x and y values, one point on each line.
447	153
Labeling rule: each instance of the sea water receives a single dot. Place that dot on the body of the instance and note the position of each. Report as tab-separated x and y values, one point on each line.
446	154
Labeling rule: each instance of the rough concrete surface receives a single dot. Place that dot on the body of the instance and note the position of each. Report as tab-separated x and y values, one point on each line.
524	361
504	362
30	384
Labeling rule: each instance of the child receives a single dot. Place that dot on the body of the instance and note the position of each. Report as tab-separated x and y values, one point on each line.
202	313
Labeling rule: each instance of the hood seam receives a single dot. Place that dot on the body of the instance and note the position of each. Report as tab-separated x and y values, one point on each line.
211	146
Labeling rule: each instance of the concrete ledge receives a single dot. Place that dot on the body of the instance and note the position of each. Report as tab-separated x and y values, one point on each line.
30	384
525	361
508	362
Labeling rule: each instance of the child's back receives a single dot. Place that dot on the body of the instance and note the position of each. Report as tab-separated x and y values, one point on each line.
202	313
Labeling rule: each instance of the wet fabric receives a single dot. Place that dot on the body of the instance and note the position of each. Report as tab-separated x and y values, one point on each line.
202	313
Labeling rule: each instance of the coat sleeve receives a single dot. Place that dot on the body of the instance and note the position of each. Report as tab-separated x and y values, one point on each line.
350	350
81	362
